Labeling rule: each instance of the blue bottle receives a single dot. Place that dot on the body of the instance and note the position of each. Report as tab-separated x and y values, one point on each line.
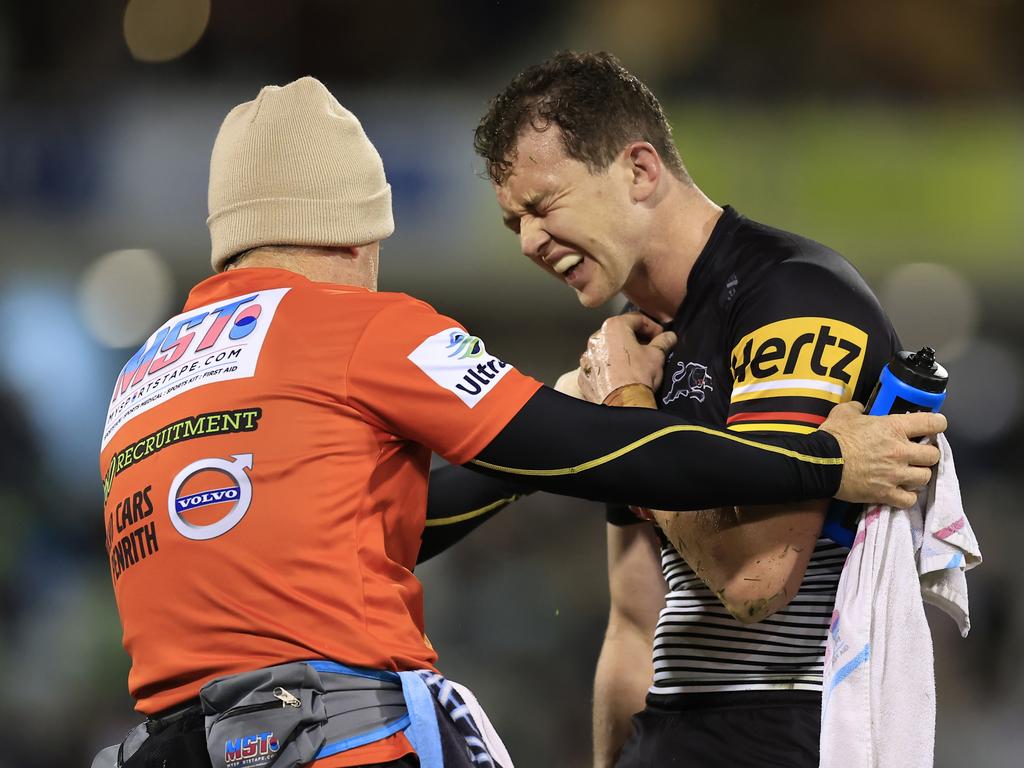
911	382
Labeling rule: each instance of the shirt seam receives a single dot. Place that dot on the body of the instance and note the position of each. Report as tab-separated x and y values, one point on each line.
346	377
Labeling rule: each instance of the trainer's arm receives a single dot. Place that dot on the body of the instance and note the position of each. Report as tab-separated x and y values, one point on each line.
458	502
631	455
624	668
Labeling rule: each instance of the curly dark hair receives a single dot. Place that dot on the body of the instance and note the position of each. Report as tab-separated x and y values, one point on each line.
596	103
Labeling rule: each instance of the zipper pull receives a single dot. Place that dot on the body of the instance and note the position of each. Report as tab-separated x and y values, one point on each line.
287	699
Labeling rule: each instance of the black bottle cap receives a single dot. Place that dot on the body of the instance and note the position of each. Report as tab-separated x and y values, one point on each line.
919	370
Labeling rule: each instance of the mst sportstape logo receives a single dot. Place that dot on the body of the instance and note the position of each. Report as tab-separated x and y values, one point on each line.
218	342
802	357
256	749
690	380
459	363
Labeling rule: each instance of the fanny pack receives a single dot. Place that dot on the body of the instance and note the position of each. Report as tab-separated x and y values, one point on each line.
282	716
292	714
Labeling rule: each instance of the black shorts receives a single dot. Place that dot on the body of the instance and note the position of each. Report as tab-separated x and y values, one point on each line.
746	729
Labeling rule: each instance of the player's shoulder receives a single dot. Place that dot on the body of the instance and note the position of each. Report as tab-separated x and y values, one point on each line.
784	267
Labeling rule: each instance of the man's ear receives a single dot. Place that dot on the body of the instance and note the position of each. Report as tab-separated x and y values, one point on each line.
646	168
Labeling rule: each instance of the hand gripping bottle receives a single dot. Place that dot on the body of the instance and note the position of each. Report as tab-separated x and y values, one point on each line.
911	382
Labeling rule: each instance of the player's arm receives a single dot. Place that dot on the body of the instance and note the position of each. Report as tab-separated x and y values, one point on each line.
753	558
636	590
624	668
735	551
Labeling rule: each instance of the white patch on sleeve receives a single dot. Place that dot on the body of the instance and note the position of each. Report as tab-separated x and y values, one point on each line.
459	363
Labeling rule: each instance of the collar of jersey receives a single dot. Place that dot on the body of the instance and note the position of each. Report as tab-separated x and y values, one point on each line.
235	281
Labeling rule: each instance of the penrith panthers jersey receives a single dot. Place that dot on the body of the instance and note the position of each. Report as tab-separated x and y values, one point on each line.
775	330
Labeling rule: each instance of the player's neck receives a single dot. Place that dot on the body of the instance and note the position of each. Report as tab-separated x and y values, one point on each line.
683	227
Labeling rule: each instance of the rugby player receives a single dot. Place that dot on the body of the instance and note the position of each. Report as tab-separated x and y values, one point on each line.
772	330
265	466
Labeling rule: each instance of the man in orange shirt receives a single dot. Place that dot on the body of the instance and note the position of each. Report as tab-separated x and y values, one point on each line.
266	453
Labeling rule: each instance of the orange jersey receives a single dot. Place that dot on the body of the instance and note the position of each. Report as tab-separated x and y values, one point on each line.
265	461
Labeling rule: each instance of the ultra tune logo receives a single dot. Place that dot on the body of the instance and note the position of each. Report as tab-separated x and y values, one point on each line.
251	750
209	497
218	342
459	363
464	346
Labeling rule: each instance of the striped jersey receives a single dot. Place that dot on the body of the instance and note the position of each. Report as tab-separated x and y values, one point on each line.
774	331
699	646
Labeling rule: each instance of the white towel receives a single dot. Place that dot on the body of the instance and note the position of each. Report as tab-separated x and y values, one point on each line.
878	698
483	723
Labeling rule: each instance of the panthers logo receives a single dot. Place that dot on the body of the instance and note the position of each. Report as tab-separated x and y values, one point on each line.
690	380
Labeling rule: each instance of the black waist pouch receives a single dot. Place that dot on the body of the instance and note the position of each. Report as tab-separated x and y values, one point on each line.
271	716
177	741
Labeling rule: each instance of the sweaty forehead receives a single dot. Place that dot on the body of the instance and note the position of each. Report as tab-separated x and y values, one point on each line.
539	148
539	168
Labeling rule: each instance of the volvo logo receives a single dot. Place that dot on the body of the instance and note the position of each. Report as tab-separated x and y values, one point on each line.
214	486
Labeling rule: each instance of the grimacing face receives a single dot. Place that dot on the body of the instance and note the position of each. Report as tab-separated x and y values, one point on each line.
572	223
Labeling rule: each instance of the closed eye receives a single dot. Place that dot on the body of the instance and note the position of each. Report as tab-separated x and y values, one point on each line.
512	223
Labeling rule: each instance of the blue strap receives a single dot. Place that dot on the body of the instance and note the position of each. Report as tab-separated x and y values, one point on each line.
340	669
420	724
423	732
364	738
399	724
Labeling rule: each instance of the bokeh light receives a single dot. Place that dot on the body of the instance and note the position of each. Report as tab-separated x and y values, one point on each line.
162	30
984	391
52	367
124	294
931	305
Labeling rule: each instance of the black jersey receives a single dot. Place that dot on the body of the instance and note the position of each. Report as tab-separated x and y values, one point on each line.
775	330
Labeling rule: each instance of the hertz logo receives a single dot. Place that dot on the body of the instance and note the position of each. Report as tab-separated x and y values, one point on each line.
802	356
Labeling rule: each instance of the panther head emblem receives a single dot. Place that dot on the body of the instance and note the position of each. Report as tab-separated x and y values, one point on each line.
690	380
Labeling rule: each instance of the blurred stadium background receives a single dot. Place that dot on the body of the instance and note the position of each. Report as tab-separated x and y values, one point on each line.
891	130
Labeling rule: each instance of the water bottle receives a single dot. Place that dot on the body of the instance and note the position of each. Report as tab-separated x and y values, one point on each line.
911	382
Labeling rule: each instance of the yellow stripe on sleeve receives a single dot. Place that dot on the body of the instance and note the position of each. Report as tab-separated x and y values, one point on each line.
469	515
651	438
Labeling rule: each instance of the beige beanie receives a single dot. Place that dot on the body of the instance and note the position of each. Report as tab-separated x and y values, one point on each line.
294	167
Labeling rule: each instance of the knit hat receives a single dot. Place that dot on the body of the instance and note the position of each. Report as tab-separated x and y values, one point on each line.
294	167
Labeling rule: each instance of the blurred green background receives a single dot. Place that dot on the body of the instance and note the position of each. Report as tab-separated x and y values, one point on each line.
891	131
